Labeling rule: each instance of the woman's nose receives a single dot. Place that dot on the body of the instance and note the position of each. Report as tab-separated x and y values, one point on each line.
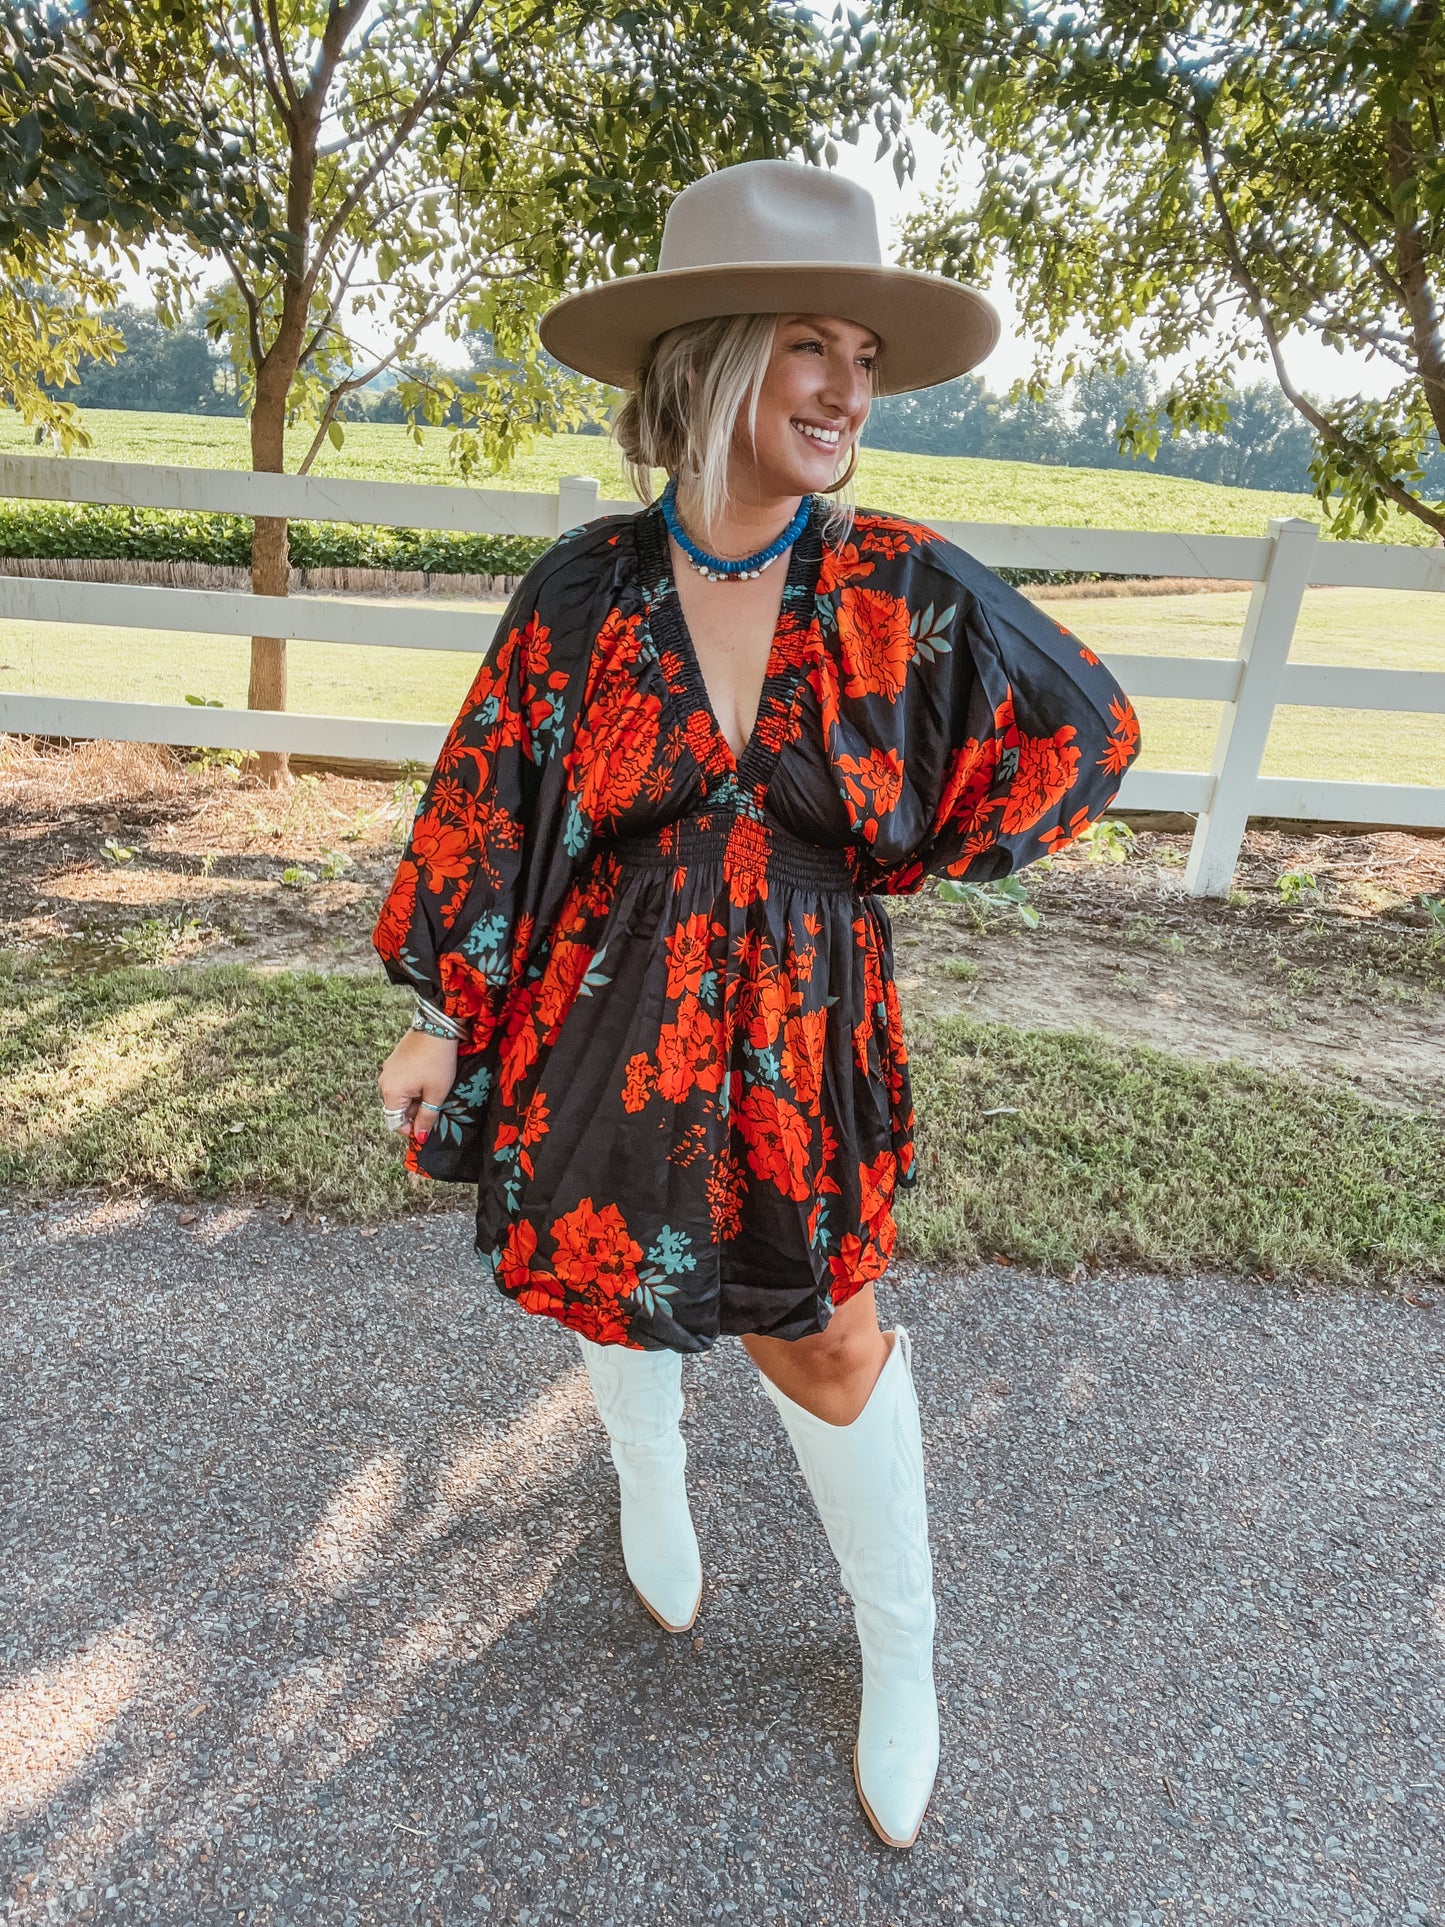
846	391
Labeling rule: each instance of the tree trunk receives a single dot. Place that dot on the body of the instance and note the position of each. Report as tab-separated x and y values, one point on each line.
270	574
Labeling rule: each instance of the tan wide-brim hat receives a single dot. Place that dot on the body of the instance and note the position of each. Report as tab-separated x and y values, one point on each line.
775	237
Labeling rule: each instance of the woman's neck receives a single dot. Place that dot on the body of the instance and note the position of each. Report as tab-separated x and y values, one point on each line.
745	525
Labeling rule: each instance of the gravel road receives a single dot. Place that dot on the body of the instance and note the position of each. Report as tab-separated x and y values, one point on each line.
312	1605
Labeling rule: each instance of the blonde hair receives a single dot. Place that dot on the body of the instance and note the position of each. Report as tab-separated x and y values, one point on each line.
684	409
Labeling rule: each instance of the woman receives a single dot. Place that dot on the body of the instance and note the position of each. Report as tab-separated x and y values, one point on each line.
656	1017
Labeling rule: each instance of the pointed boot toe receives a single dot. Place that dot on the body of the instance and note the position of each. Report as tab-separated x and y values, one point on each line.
895	1782
659	1545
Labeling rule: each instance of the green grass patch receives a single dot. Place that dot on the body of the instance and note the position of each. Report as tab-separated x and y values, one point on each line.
934	487
223	1082
1103	1153
205	1082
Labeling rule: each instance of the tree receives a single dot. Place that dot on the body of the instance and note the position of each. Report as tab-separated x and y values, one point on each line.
175	369
1224	178
461	163
84	151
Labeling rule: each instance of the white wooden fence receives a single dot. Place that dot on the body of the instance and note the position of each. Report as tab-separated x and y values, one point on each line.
1280	564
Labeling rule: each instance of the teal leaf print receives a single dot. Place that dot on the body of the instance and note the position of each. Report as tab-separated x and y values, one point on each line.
672	1250
594	980
576	831
930	633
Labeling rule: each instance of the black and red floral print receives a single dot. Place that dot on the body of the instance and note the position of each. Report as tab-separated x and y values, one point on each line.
683	1096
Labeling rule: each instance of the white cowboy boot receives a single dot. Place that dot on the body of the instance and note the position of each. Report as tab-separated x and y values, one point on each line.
639	1399
867	1483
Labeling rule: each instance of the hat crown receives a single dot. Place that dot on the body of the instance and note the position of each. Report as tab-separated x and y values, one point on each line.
770	211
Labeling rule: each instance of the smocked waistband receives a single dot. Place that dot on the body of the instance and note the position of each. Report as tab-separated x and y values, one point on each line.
724	839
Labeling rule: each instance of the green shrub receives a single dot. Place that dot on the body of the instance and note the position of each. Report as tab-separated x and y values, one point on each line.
83	532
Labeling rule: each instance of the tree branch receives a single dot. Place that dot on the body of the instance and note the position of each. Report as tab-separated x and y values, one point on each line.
1417	294
1322	425
279	99
253	306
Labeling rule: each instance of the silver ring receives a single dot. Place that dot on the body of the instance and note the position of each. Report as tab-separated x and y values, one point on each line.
393	1117
427	1105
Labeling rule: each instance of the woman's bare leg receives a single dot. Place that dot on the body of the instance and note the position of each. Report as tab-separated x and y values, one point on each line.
830	1373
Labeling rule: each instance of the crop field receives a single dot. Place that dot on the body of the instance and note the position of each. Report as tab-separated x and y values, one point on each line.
944	488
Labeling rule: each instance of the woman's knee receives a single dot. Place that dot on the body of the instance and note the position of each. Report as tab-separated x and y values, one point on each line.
849	1347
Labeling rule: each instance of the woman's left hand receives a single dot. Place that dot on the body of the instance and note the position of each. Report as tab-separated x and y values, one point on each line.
415	1080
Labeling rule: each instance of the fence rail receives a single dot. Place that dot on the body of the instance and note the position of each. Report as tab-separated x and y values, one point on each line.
1280	564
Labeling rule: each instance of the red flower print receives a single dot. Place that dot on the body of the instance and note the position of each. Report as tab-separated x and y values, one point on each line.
535	1290
724	1196
876	1183
467	996
1087	653
707	744
766	1003
689	954
745	862
1123	743
856	1264
1059	838
689	1051
599	1322
560	983
520	1043
840	565
614	653
442	850
1048	766
872	785
877	647
776	1135
613	747
594	1251
533	646
965	788
822	679
640	1081
890	536
394	922
450	798
803	1039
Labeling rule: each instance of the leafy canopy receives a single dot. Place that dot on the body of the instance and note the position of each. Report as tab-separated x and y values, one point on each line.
1223	178
85	155
462	162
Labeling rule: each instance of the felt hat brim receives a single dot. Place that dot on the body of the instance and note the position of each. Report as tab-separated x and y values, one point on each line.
930	329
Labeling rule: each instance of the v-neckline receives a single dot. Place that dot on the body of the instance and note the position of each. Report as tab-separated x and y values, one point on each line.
754	766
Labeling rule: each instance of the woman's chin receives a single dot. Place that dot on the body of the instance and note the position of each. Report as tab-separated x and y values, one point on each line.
801	478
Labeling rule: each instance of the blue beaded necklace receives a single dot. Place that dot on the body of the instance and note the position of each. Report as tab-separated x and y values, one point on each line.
719	568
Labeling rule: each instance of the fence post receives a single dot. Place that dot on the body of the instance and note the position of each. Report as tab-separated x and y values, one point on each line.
1244	727
578	497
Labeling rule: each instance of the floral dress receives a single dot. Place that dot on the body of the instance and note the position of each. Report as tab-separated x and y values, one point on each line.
682	1089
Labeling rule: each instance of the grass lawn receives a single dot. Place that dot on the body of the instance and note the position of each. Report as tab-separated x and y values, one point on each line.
933	487
226	1082
1379	629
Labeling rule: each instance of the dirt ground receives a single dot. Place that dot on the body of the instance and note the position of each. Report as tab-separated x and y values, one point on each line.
121	853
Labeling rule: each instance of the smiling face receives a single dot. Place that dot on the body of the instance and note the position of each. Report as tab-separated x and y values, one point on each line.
811	409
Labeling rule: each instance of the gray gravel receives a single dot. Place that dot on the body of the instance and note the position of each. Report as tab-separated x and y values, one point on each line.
312	1605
